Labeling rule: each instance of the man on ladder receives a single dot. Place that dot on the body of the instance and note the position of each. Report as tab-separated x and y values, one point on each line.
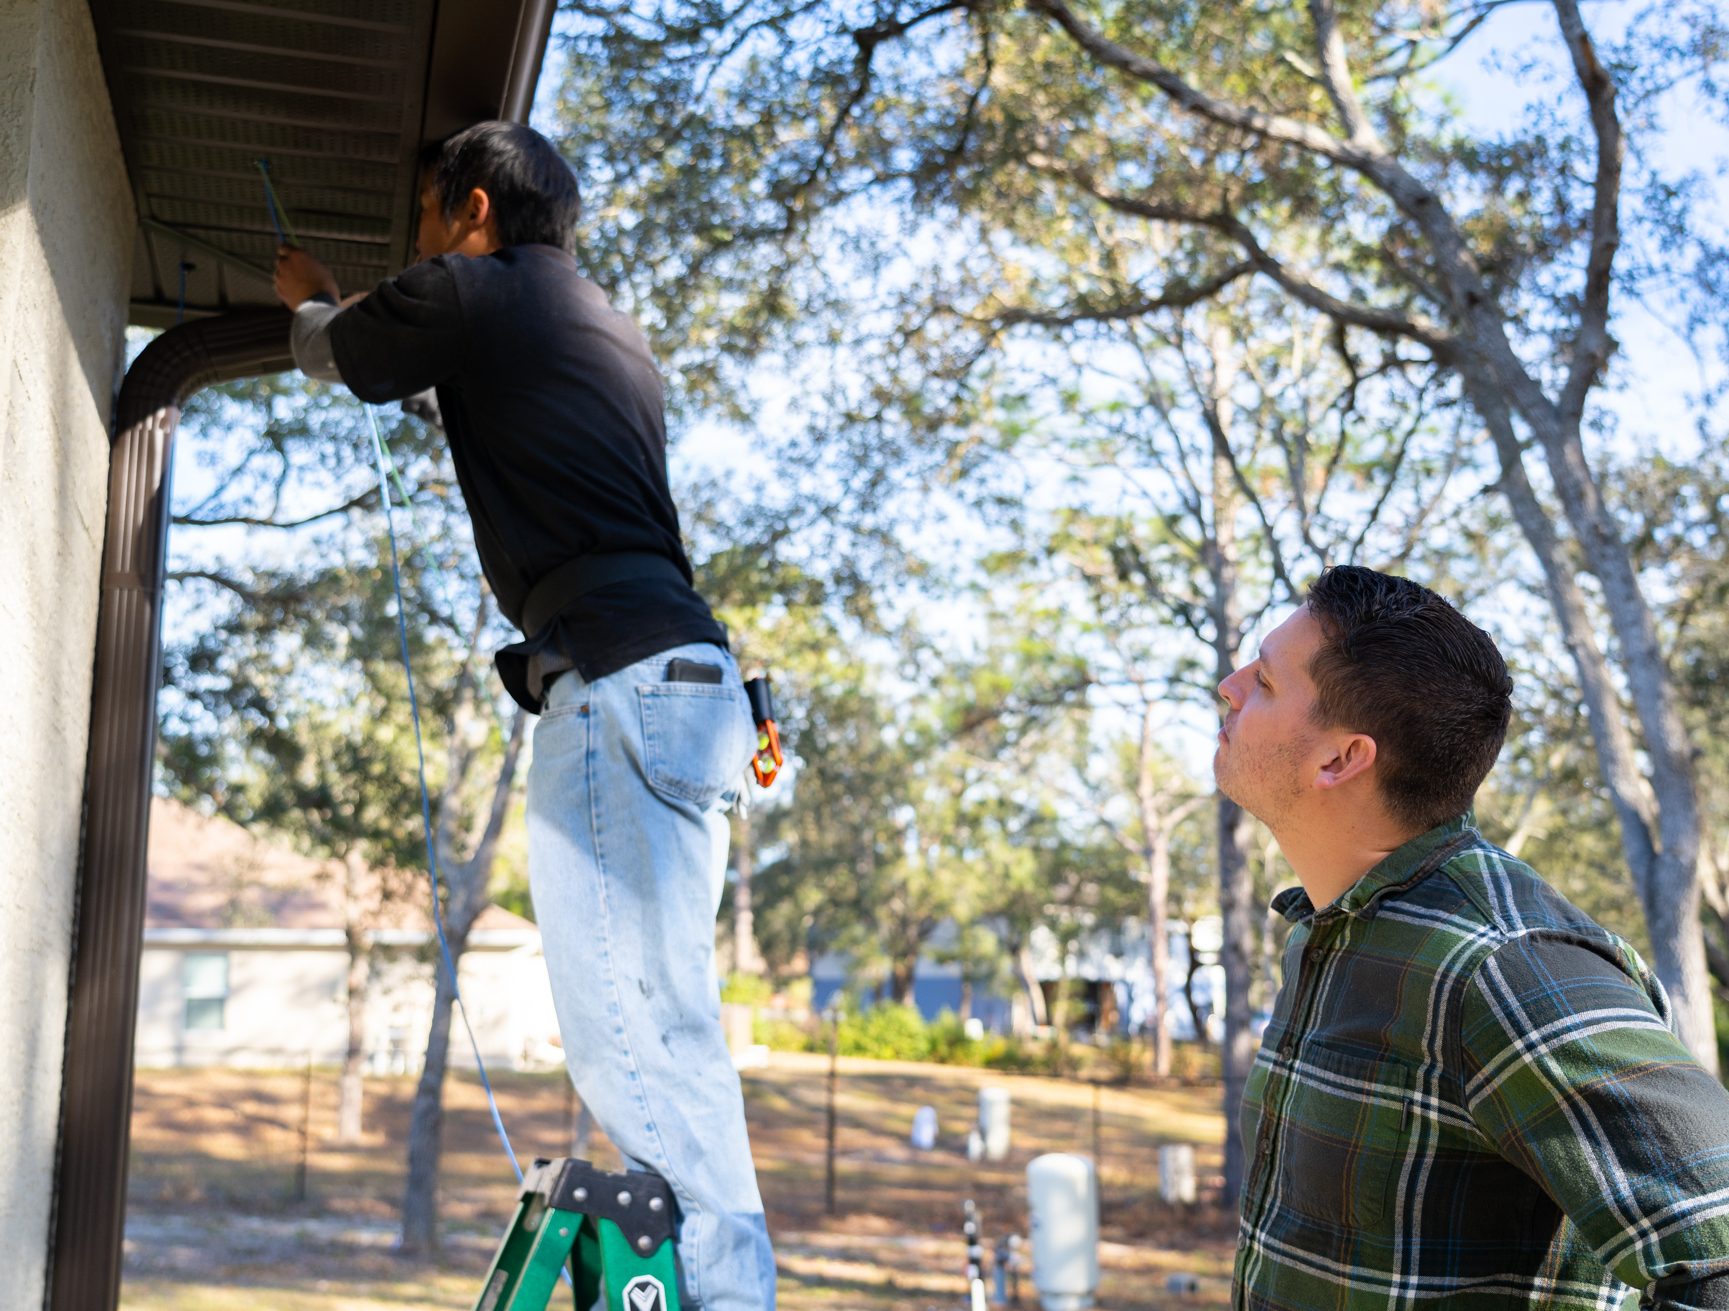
553	408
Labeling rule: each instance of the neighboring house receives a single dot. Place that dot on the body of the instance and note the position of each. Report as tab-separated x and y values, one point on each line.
937	987
246	962
1110	974
1110	977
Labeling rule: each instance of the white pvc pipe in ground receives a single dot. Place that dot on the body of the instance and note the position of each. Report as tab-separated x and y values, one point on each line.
994	1122
1177	1173
1063	1198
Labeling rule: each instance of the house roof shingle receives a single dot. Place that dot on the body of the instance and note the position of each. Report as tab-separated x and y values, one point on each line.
209	873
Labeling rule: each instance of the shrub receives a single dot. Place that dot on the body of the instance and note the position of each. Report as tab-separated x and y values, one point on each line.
785	1036
887	1031
747	989
951	1046
1020	1057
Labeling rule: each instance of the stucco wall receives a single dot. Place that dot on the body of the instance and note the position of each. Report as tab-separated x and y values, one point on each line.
66	225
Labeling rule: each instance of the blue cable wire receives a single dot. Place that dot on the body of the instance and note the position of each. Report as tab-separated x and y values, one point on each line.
425	795
385	463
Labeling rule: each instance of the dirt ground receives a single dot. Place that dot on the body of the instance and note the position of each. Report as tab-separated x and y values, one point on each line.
215	1219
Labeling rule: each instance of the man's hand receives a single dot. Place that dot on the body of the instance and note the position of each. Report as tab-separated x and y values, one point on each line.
299	277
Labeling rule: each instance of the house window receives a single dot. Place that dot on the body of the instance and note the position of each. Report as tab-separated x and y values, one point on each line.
206	989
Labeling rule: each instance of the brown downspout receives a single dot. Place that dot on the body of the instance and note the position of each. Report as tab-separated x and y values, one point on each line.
96	1099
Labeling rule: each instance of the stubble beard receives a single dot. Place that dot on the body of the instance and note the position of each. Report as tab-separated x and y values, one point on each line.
1266	783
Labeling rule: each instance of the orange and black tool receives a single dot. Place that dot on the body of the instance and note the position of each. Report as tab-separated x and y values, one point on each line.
768	759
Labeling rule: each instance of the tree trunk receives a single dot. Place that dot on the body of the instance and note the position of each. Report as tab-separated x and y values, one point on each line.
1235	888
746	959
1156	829
1060	1016
1035	994
1189	990
467	883
1159	935
426	1122
1668	893
901	979
1672	901
1238	1054
350	1088
1499	381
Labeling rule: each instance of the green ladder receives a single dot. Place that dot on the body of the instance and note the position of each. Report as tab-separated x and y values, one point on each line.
612	1231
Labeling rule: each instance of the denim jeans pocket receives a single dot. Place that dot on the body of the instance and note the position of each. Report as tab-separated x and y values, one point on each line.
696	738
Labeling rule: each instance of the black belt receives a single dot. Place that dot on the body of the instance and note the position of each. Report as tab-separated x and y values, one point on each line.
574	579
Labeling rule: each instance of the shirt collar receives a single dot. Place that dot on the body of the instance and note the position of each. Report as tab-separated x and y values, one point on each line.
558	253
1409	864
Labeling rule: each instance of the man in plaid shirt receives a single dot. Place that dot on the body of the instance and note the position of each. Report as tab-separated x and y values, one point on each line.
1469	1094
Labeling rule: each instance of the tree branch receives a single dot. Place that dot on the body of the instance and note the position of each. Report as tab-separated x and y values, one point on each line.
252	596
363	500
1386	322
1176	295
1336	76
867	39
1593	345
1470	299
1629	792
1275	127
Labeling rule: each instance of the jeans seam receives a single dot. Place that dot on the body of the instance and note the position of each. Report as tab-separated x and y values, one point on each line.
693	1264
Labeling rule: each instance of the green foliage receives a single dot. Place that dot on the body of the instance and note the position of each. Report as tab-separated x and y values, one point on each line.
886	1031
747	989
784	1036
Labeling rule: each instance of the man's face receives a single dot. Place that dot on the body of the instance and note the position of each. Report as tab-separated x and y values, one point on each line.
1263	758
471	230
433	237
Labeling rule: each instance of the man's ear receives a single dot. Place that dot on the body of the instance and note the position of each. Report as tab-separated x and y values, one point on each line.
1353	754
478	209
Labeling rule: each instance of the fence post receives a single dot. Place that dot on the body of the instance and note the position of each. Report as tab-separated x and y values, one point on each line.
834	1017
1098	1159
305	1132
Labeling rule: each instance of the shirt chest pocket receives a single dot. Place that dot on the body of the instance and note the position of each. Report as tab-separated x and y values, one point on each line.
1343	1134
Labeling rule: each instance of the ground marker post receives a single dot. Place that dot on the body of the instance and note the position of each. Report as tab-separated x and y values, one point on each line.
612	1231
975	1259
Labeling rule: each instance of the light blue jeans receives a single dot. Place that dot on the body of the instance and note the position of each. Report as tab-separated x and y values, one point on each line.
627	839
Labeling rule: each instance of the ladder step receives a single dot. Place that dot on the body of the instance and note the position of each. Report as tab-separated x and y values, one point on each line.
611	1231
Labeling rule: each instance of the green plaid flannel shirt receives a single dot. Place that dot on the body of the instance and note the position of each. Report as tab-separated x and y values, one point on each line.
1469	1097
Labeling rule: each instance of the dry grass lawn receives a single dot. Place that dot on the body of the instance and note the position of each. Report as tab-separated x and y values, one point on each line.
214	1221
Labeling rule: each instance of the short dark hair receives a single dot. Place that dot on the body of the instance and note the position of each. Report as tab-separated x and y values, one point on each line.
532	189
1399	663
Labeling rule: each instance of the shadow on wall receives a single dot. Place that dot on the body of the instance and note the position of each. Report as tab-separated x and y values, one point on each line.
80	209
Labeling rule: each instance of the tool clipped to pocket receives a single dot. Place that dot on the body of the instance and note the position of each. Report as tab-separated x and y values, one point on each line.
766	763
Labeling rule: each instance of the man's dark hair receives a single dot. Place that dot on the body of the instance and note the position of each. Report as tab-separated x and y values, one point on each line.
1399	663
532	189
